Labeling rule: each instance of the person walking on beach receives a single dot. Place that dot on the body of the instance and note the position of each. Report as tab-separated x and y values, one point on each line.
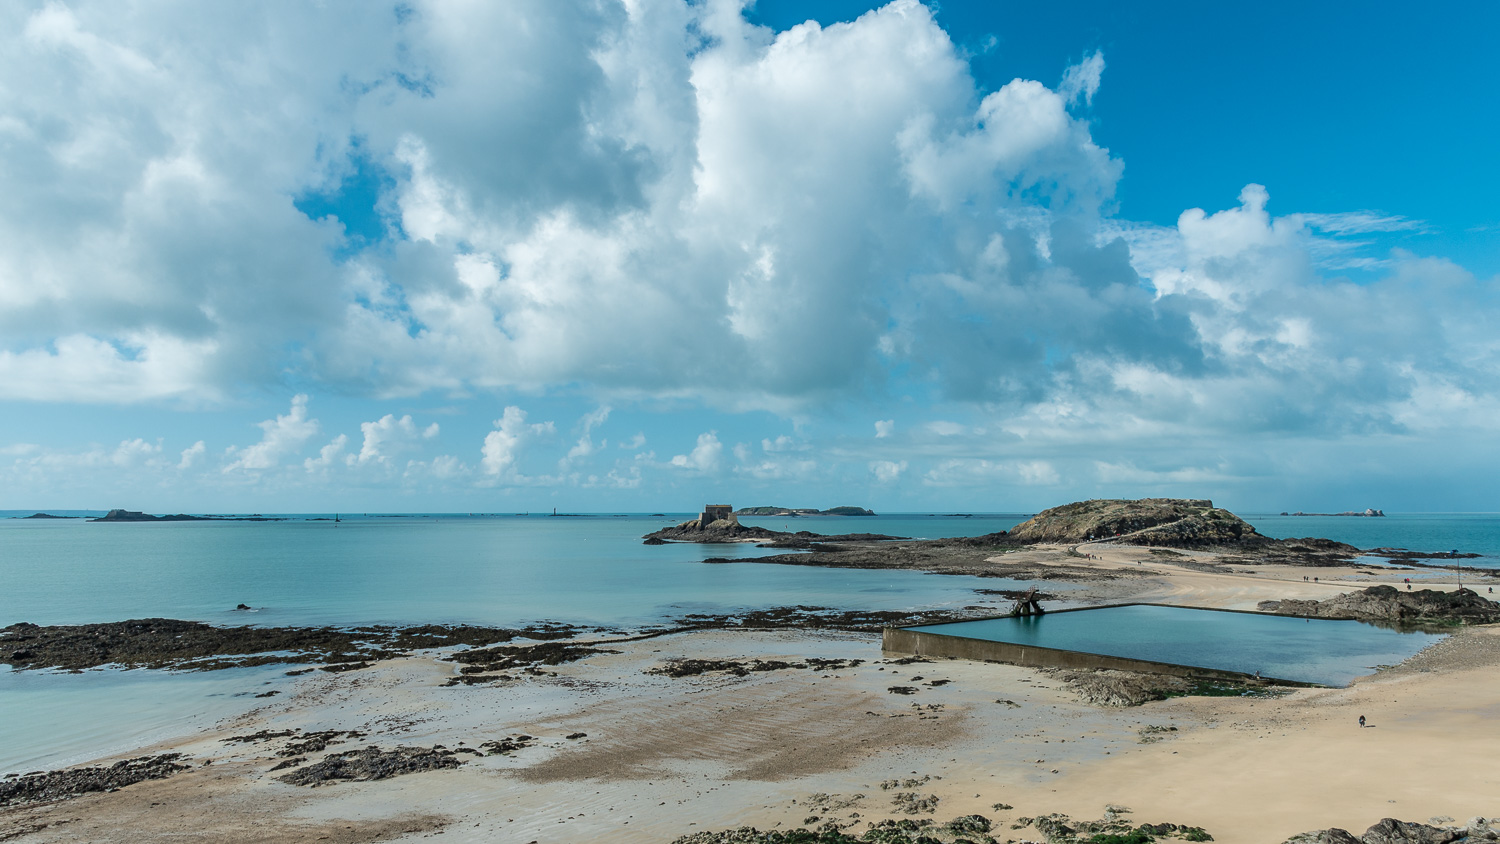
1361	721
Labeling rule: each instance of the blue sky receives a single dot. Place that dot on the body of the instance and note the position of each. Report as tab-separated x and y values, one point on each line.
632	257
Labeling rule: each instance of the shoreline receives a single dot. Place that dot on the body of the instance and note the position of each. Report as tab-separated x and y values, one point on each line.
661	757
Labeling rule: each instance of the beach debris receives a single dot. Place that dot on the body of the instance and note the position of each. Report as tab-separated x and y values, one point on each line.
902	690
915	782
372	763
60	785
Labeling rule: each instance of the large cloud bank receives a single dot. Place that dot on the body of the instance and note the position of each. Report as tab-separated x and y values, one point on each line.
647	199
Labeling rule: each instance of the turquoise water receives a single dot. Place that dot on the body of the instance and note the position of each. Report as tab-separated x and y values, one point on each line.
506	570
1475	533
500	570
1320	651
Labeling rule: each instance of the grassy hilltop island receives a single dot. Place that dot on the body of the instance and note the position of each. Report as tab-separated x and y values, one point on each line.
1171	522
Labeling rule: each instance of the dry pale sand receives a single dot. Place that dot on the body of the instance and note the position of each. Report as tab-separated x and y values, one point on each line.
663	756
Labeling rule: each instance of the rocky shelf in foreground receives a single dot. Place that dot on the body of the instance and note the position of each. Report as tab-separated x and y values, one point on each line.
47	786
1392	831
1389	604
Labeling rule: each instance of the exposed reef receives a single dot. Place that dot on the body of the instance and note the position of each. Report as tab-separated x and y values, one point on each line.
372	763
59	785
1389	604
192	645
1368	512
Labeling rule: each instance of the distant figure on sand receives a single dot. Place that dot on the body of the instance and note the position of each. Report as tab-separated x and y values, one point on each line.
1361	720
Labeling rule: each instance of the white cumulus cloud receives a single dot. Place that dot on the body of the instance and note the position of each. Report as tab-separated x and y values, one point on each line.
705	456
280	437
503	445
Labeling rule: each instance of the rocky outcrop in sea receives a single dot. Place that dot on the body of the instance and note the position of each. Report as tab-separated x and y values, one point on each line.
1389	604
730	530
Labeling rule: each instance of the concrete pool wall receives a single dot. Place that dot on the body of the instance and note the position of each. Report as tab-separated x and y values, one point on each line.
901	641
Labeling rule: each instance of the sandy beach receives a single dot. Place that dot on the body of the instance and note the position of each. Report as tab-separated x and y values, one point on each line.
619	754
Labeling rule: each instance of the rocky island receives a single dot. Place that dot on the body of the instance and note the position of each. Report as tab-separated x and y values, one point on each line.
718	523
137	516
803	511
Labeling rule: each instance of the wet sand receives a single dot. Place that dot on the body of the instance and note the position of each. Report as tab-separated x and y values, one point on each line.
661	756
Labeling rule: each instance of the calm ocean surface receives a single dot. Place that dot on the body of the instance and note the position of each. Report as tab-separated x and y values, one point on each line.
501	570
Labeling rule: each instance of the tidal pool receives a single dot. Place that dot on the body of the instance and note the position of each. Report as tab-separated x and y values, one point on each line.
1323	651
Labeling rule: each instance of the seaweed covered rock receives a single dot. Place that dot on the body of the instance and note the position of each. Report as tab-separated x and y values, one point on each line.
372	763
58	785
1171	522
1392	831
1389	604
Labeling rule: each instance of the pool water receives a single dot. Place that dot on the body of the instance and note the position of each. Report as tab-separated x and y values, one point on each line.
1324	651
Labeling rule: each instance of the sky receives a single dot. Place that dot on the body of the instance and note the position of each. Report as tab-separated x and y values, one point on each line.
641	255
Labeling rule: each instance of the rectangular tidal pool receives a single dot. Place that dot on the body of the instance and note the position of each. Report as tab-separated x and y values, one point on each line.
1324	651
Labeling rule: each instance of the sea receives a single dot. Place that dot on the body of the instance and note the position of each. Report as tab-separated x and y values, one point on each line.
413	568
